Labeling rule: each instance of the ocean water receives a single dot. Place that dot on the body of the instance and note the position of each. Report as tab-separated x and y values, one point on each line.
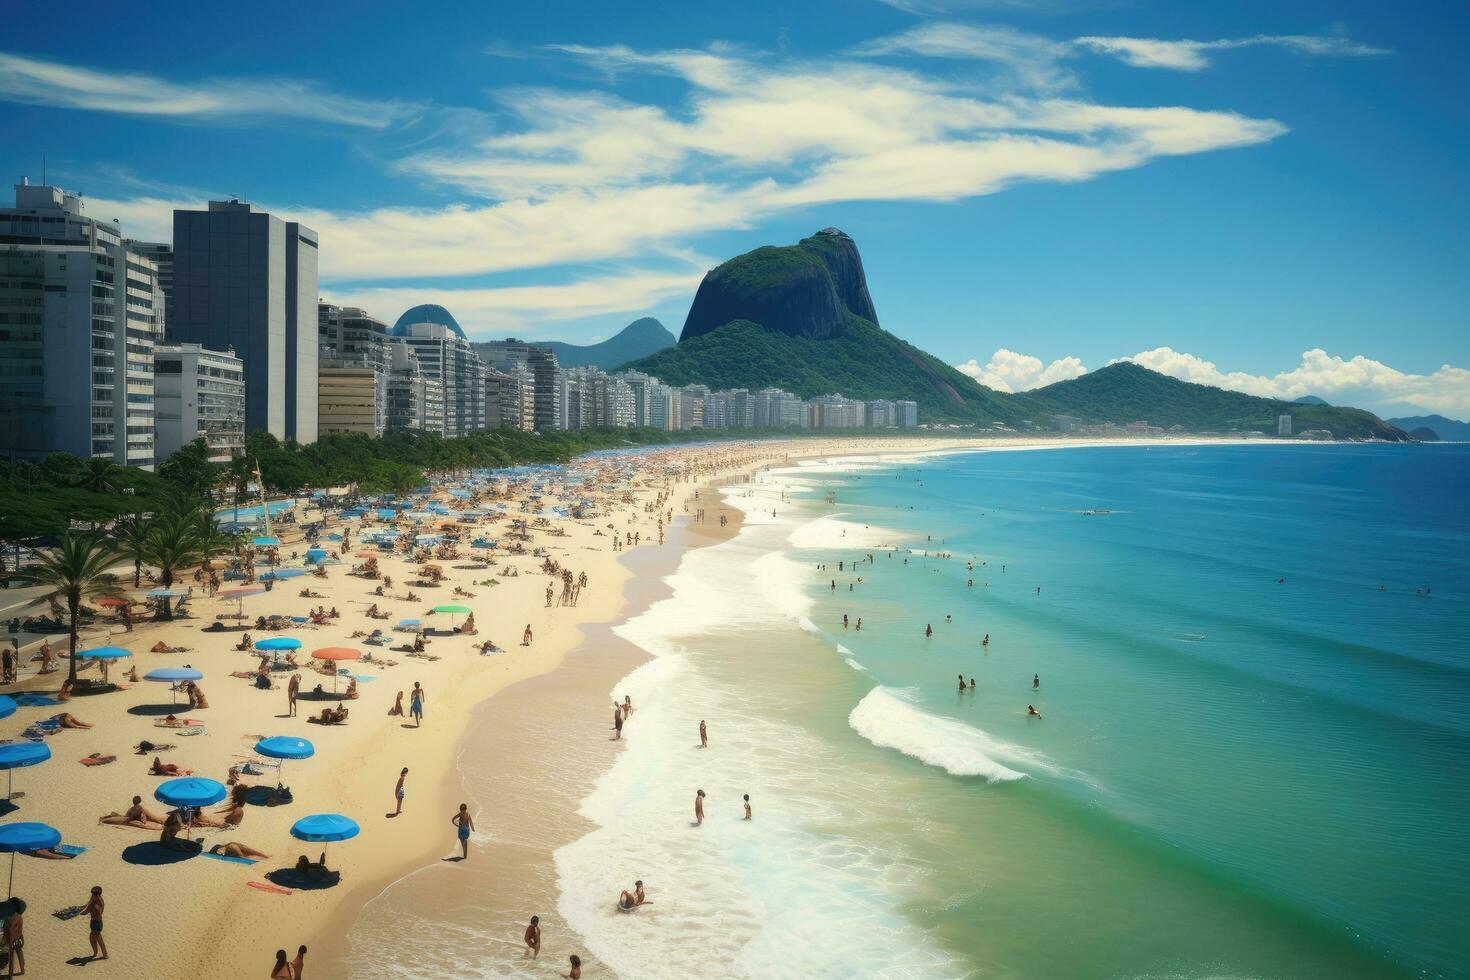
1254	682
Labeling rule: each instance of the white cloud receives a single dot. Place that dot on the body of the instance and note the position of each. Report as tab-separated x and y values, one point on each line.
37	82
1351	380
589	176
1008	371
1359	381
1184	55
1029	60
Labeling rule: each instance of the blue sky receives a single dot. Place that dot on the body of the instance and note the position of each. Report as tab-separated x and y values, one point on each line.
1267	199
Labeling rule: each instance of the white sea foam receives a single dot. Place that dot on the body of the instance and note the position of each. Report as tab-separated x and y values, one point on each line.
834	532
891	720
733	898
853	664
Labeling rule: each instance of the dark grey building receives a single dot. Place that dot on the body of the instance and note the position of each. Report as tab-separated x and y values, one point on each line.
248	280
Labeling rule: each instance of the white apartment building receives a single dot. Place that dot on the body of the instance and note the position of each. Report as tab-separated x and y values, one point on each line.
200	394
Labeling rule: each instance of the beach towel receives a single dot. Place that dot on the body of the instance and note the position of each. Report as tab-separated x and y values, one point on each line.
70	912
72	849
30	699
266	886
97	759
226	857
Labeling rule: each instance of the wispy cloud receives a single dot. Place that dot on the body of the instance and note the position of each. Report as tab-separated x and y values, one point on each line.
37	82
1348	380
1143	52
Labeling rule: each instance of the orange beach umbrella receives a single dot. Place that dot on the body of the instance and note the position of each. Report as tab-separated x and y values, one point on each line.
335	654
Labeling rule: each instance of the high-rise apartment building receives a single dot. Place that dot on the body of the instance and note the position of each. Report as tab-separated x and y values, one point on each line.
200	395
444	354
248	280
1283	425
161	254
78	322
352	371
415	400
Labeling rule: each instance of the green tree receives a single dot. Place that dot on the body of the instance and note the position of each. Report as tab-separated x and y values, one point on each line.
76	569
131	535
100	476
175	544
189	470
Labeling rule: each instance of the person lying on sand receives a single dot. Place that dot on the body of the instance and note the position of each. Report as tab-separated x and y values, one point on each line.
161	768
237	850
48	854
68	720
330	716
136	815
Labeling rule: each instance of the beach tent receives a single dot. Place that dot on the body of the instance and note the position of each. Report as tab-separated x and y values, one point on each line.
25	836
173	675
324	828
285	747
278	643
20	755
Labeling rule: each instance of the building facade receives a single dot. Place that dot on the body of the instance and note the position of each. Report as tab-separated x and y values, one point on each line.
200	394
248	280
352	371
79	319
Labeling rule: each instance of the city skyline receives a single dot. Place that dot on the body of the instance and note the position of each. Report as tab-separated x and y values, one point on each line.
1036	190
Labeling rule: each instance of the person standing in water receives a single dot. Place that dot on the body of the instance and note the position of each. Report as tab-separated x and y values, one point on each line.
703	735
747	806
465	824
1035	682
617	721
928	630
533	936
575	973
699	808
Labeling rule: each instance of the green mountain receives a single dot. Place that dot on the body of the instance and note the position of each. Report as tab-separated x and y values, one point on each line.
1448	430
800	317
1126	392
638	339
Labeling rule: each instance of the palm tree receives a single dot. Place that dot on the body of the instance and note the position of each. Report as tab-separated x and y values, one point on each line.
75	570
130	534
173	546
100	476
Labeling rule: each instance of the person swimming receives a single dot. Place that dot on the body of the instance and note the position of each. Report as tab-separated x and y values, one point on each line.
1031	711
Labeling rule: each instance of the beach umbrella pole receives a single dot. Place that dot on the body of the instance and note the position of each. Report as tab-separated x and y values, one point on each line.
10	885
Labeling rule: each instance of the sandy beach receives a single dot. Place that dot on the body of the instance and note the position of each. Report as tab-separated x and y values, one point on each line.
537	714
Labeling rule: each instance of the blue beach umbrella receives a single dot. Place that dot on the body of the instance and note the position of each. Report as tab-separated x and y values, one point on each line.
324	828
25	836
19	755
103	653
7	706
315	554
190	792
285	747
173	675
278	643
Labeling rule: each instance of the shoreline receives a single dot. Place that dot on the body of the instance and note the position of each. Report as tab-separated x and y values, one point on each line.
355	766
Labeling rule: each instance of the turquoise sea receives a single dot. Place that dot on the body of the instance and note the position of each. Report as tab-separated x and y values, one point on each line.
1254	683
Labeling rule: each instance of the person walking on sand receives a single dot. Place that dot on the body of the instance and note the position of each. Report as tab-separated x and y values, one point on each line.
466	824
94	909
703	735
416	704
526	636
299	963
292	689
699	808
533	936
15	935
398	792
282	969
